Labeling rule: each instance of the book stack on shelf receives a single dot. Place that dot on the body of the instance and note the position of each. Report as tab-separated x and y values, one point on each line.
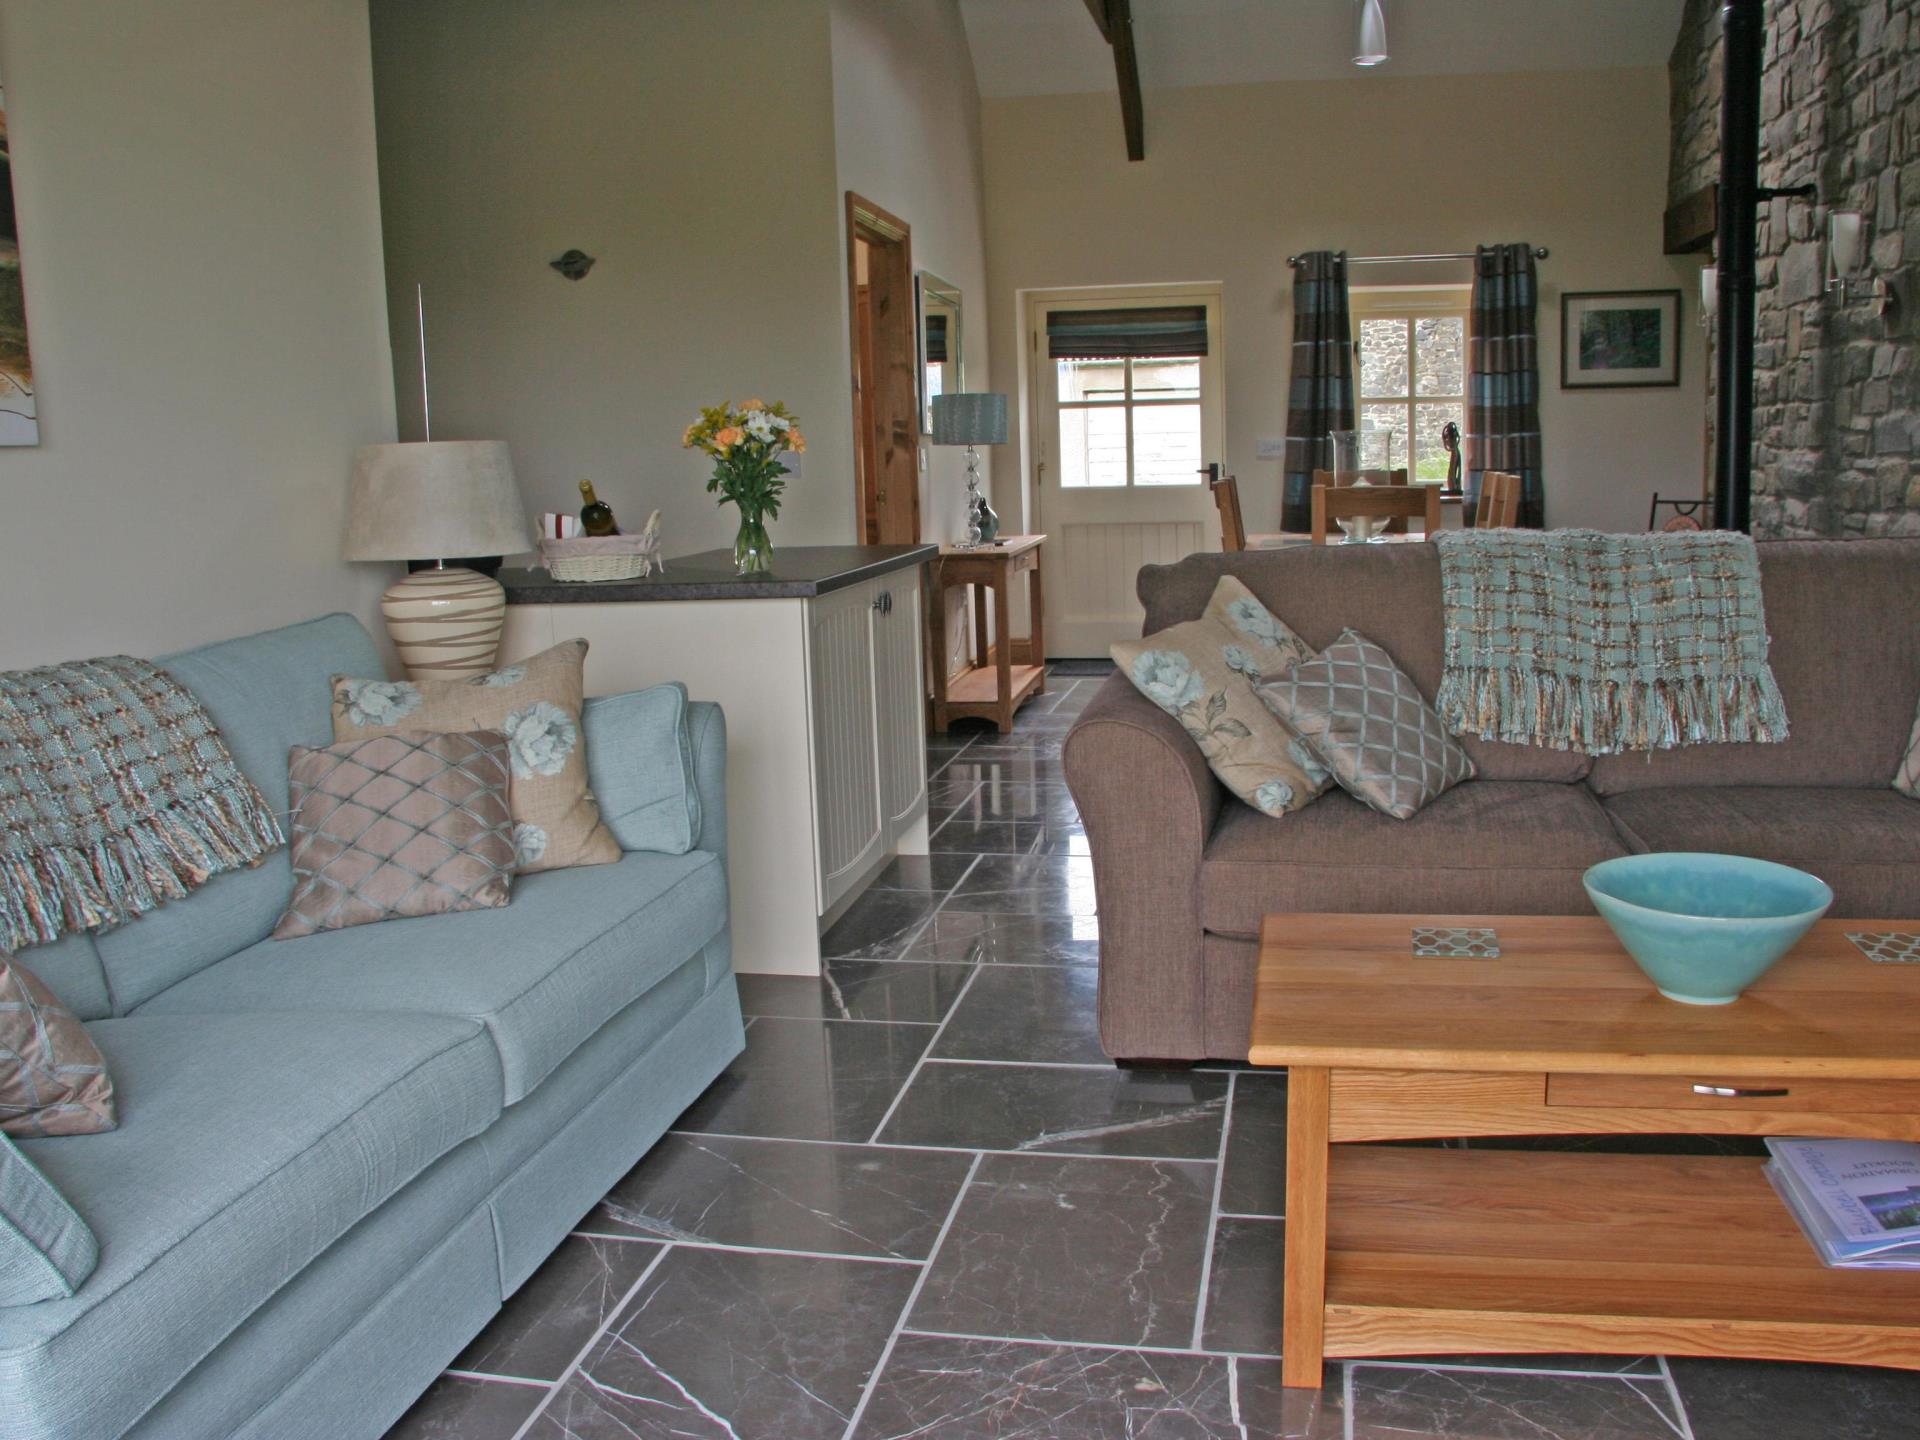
1857	1200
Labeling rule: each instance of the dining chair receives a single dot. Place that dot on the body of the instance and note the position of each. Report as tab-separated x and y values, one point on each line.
1334	503
1233	529
1499	506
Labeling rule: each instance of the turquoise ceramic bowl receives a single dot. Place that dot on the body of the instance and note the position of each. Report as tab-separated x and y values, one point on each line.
1704	927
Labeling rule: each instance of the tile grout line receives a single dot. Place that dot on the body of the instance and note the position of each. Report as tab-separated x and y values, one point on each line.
1673	1393
921	1060
913	1299
523	1381
953	1149
526	1426
1213	1215
724	1247
919	929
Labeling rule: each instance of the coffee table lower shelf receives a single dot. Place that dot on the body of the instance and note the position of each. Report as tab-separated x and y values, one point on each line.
1446	1250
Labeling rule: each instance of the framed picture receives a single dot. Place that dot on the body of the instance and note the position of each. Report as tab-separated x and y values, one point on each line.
1613	339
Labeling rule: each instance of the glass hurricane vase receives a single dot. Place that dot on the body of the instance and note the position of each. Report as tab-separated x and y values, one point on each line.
752	550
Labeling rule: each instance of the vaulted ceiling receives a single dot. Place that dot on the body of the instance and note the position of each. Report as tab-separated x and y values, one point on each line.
1045	47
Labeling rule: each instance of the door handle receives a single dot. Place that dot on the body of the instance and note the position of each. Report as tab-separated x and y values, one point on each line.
1740	1092
883	602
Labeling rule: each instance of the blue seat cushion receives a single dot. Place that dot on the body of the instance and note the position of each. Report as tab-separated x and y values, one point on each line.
247	1145
572	949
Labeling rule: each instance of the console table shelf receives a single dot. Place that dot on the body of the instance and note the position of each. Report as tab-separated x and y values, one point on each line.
1003	671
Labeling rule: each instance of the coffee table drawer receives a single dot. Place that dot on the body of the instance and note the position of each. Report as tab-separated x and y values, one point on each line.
1708	1091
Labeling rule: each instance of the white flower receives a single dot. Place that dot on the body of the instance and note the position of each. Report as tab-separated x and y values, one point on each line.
1304	757
761	426
539	738
1166	677
529	844
500	679
377	702
1256	622
1239	661
1274	797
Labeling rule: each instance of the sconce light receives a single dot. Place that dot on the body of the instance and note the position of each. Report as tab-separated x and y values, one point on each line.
1847	262
1846	246
1709	296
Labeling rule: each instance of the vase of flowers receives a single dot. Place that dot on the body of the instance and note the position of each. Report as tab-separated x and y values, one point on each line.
746	442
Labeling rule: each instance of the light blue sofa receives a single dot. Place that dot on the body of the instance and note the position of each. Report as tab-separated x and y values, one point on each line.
337	1155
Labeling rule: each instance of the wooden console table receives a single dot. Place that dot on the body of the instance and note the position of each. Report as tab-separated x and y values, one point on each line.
999	677
1394	1251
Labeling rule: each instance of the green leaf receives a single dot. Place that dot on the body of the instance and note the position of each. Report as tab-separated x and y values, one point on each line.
1235	729
1216	705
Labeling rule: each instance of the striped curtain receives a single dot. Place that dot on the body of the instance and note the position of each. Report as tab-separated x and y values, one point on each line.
1503	378
1320	391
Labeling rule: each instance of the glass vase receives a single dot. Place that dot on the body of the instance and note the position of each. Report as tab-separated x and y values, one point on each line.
752	550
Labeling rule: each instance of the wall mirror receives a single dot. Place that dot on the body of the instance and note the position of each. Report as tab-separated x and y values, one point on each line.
939	302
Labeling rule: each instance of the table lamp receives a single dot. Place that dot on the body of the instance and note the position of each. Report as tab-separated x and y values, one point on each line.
972	419
426	501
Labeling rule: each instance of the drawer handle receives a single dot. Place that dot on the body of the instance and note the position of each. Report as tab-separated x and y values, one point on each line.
1739	1092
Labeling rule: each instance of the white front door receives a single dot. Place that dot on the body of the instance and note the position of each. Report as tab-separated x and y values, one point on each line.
1124	439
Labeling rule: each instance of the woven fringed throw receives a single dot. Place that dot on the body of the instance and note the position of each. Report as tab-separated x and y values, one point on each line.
116	795
1594	642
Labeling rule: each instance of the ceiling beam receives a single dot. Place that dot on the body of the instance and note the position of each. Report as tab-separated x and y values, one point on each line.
1115	19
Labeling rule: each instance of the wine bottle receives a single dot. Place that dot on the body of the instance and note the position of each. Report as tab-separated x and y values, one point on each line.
596	516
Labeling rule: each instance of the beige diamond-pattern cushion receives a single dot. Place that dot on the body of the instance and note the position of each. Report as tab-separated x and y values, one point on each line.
1369	723
53	1079
406	824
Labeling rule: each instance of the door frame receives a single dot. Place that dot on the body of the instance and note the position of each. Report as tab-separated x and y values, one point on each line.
1040	377
889	241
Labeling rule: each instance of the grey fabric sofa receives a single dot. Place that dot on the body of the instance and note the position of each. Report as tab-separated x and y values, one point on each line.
1184	873
337	1155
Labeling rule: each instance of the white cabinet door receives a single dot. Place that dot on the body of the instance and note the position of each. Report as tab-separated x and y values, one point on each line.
850	829
900	696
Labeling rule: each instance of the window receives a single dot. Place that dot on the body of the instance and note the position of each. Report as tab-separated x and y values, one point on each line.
1411	360
1127	384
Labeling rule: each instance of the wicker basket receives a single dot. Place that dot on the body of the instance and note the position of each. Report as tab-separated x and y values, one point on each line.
597	557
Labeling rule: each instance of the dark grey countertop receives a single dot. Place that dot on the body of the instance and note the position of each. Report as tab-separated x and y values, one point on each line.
799	571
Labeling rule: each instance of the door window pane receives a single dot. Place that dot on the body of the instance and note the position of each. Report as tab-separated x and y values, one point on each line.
1383	436
1093	446
1383	358
1440	343
1166	445
1174	378
1430	456
1093	380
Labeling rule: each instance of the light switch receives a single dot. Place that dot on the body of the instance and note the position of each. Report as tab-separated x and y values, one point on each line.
1270	448
923	458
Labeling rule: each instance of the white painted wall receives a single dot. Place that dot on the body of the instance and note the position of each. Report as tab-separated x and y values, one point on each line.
199	218
687	146
1238	177
907	137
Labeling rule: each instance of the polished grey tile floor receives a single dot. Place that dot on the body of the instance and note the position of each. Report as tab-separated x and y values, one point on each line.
922	1204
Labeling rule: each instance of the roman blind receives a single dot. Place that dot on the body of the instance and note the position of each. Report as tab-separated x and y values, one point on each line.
1143	331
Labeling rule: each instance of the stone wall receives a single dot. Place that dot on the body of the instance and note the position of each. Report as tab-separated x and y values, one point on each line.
1837	388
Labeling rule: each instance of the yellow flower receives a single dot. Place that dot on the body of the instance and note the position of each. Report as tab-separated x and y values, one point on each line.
753	405
686	440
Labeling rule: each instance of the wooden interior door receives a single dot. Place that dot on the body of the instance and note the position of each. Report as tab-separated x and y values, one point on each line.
886	405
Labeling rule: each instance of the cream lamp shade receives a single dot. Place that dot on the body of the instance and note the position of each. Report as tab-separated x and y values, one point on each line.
429	501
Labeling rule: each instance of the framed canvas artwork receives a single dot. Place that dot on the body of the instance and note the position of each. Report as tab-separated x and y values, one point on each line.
1614	339
19	421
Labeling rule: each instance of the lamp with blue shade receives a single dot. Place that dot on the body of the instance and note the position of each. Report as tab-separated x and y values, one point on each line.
972	420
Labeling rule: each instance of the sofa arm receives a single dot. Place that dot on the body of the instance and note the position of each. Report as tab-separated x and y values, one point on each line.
707	724
1148	802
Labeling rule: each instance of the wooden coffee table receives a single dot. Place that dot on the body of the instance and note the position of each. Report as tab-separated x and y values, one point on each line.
1419	1250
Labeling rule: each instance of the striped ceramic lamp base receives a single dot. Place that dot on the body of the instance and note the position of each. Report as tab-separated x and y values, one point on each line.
445	623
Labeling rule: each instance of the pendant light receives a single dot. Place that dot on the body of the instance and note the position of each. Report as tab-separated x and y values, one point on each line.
1371	48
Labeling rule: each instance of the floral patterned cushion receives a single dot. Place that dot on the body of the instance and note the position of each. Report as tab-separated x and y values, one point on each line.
1907	779
536	705
1371	725
1203	672
399	825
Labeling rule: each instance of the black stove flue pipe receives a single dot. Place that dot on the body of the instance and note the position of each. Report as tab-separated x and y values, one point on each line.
1742	39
